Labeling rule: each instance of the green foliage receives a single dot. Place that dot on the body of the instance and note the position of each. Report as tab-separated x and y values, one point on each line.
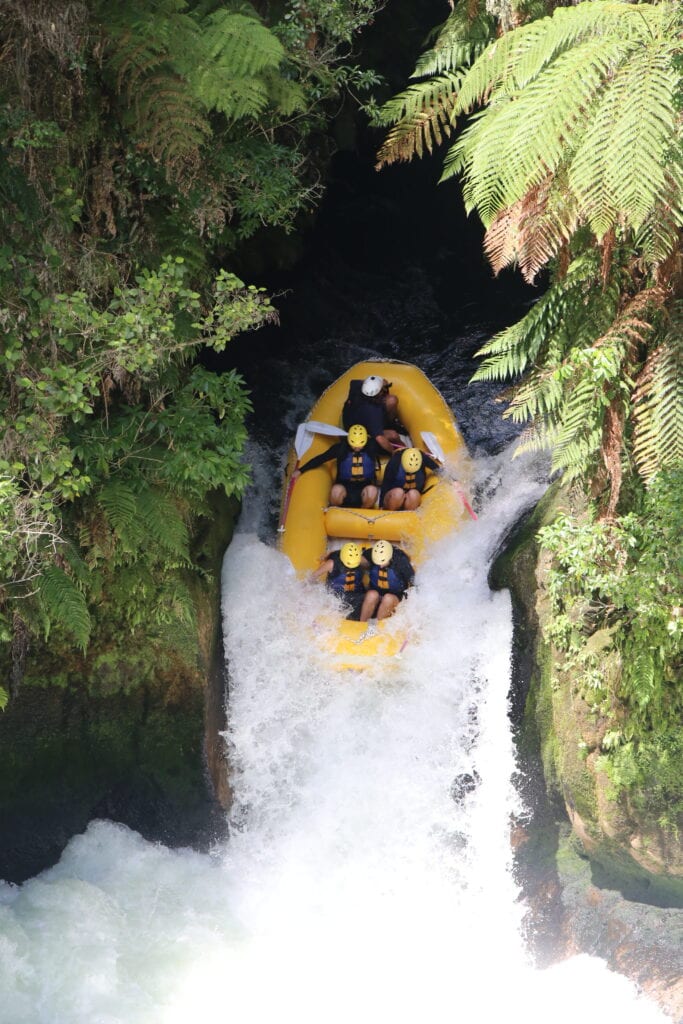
63	603
110	436
128	132
658	411
626	579
574	163
423	114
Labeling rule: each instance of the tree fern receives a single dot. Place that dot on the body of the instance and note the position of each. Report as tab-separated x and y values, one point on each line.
461	38
519	57
590	89
423	113
658	407
511	351
64	604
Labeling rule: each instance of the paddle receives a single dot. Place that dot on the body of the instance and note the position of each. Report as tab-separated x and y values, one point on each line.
303	439
437	451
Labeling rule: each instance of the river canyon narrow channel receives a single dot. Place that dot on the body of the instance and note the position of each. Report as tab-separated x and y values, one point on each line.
368	874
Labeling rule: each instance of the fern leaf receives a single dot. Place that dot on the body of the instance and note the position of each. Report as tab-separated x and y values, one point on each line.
532	231
519	57
461	39
242	44
658	408
423	115
512	350
619	170
169	122
119	504
165	525
63	603
284	94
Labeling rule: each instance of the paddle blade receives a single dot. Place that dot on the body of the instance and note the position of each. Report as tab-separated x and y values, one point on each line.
302	441
316	427
433	445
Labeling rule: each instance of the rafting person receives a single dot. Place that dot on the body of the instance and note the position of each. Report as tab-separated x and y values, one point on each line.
344	569
390	575
405	478
370	403
357	456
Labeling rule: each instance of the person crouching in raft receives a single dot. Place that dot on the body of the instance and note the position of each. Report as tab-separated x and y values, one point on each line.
345	570
370	403
356	455
405	479
391	573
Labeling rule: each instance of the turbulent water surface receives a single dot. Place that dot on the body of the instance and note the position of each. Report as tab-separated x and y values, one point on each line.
364	879
368	873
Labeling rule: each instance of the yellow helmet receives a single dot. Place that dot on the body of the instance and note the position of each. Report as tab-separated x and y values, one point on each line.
350	555
411	460
382	552
358	436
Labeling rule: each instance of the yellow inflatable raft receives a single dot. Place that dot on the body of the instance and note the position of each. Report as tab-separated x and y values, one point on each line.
309	528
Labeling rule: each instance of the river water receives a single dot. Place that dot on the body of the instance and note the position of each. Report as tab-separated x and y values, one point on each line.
362	880
367	877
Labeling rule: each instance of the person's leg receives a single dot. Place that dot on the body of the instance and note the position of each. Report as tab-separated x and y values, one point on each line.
370	602
369	496
354	602
387	606
337	494
393	499
413	499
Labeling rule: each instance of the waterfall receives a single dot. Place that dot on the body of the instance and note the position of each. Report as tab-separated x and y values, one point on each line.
368	873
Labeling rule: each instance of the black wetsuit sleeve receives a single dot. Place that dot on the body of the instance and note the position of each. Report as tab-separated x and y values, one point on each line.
431	463
390	471
373	449
403	567
335	452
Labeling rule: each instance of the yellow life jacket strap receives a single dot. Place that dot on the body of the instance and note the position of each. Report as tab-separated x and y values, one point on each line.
357	465
349	581
409	482
383	578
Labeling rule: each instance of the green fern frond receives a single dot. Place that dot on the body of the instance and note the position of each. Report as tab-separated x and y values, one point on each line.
521	139
519	56
576	457
236	97
64	604
590	89
241	44
619	170
512	350
423	119
460	40
638	683
658	407
119	504
285	95
166	527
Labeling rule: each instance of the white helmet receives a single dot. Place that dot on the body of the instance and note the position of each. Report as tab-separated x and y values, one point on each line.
372	386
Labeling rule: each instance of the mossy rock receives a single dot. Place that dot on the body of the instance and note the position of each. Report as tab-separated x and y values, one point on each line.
627	848
129	732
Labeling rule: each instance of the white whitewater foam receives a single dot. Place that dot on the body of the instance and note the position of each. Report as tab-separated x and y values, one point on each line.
355	886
